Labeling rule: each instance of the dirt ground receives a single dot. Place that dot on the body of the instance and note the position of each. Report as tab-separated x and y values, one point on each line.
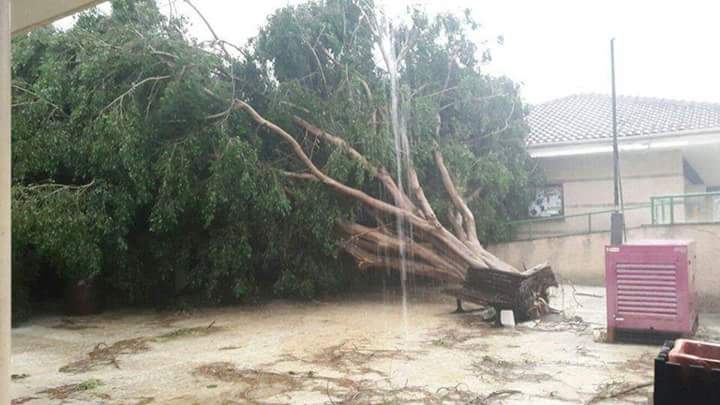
355	350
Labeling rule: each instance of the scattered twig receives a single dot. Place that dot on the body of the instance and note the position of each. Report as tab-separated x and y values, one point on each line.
574	292
327	388
41	98
477	139
132	89
228	58
103	354
601	396
588	295
496	394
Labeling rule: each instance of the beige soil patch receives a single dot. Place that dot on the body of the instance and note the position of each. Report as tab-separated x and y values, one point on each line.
355	350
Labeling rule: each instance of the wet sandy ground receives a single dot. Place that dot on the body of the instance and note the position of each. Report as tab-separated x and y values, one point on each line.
355	350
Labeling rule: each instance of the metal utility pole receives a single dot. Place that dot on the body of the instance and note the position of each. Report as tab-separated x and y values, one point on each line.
616	220
616	154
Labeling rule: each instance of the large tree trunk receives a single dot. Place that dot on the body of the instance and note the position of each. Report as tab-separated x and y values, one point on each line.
431	249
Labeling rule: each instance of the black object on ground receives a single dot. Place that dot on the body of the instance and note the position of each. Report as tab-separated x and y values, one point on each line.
676	384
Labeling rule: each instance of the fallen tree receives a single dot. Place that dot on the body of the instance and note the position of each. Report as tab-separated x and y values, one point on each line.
432	250
247	167
403	231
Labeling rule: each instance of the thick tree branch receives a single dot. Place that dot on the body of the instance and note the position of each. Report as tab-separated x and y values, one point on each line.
455	220
468	217
367	259
415	187
480	259
391	242
334	184
376	171
419	194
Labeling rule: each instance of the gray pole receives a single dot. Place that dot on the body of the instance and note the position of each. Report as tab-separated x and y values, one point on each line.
616	220
616	157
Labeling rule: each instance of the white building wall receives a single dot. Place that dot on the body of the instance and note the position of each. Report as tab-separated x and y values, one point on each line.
587	182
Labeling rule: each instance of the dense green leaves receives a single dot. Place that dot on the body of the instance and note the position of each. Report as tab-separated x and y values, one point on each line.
119	174
329	70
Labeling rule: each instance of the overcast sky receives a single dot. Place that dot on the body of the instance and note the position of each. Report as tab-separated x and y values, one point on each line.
668	49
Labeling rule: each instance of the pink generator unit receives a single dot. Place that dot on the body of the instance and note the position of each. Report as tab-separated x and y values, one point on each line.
650	288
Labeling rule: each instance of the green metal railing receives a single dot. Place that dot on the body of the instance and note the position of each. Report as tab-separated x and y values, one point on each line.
573	224
691	208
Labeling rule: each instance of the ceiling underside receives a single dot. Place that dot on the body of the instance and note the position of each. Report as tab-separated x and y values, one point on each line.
29	14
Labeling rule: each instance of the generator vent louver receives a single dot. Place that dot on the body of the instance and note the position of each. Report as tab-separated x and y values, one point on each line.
647	289
650	288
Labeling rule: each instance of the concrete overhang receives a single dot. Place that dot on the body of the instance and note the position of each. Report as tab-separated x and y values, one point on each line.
29	14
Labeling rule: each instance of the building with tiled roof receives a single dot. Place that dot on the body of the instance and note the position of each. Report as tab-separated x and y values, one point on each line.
667	147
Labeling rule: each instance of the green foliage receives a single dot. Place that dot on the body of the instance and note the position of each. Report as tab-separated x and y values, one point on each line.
324	56
125	167
117	172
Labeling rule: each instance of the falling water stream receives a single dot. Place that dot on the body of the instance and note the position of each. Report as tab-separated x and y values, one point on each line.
402	149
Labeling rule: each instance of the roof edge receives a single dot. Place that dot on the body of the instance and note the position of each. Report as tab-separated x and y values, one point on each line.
628	96
649	137
677	139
